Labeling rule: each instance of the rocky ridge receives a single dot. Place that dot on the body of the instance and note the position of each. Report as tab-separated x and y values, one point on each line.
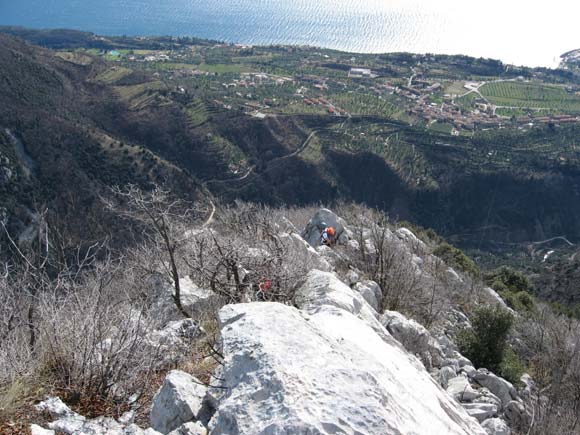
330	364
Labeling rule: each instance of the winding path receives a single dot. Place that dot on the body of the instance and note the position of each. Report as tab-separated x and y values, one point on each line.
210	196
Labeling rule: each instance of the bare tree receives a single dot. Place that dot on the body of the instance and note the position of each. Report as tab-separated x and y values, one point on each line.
165	224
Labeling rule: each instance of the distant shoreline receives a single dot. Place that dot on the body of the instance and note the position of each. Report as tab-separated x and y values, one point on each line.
50	33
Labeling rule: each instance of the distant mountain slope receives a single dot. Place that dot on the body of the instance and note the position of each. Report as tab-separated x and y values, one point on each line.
86	123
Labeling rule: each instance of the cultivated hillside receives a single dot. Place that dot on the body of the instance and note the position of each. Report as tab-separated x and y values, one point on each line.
289	126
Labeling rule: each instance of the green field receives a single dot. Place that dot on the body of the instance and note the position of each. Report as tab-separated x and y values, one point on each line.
113	74
532	95
212	68
129	93
196	113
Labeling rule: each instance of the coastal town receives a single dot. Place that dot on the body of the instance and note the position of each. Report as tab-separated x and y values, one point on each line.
335	86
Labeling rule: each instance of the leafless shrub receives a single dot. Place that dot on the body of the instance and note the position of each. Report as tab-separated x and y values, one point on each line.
166	224
248	256
553	349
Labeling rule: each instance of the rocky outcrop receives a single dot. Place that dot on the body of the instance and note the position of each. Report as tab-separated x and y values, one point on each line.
315	226
498	386
496	426
190	429
327	368
70	423
37	430
179	400
371	292
412	335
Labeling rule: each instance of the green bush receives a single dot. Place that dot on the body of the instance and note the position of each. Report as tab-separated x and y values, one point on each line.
456	258
507	278
522	301
485	343
511	367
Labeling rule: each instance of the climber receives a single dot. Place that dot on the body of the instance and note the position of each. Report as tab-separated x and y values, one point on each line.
264	287
328	236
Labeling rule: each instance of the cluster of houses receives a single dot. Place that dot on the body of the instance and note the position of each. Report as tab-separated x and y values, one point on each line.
330	108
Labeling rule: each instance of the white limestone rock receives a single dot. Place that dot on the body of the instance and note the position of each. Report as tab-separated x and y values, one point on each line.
324	371
371	292
412	335
55	407
332	257
460	389
498	386
491	297
516	415
486	396
351	277
37	430
322	289
133	429
468	370
444	375
496	426
191	428
176	334
178	401
409	238
300	247
447	346
481	411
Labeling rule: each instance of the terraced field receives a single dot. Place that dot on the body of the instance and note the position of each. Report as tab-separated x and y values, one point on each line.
113	75
196	113
531	95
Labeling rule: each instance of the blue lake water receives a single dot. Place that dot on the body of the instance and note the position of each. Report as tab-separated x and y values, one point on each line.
524	32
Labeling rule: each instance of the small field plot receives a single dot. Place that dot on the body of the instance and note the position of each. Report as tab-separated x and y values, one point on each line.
196	113
113	75
532	95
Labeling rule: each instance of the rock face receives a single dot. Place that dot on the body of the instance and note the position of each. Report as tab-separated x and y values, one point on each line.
178	401
371	292
329	368
496	426
37	430
413	336
498	386
460	389
315	227
71	423
190	429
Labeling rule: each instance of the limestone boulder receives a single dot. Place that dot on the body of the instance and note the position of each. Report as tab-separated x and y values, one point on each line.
133	429
460	389
315	226
179	400
190	428
444	375
302	250
371	292
37	430
516	415
324	370
412	335
481	411
498	386
496	426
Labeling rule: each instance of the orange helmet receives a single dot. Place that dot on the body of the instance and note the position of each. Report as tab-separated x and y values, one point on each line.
330	231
